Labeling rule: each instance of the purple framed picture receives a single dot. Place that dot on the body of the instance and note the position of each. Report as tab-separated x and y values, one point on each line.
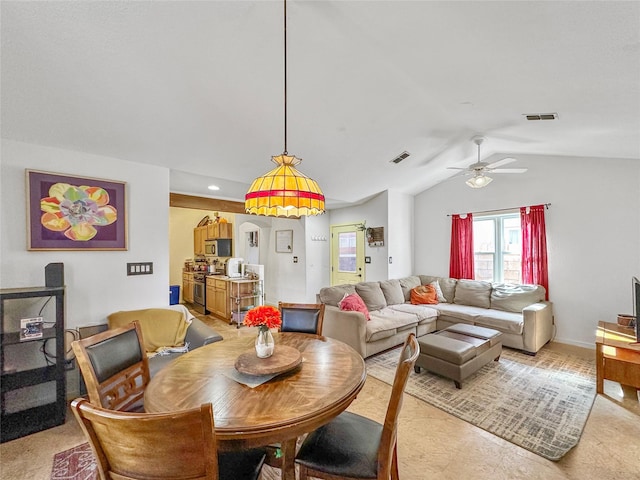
66	212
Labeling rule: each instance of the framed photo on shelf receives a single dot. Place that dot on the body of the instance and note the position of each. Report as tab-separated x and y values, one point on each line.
67	212
284	241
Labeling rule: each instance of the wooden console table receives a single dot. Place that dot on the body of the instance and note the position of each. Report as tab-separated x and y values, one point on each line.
617	356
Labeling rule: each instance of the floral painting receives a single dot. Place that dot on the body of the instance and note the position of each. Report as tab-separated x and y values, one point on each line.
66	212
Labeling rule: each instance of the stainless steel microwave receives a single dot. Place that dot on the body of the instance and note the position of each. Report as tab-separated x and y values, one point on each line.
218	248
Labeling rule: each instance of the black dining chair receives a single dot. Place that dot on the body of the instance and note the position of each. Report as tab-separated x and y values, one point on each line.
172	445
301	317
354	447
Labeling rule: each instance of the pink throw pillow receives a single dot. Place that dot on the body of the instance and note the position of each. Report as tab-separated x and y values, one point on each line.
354	303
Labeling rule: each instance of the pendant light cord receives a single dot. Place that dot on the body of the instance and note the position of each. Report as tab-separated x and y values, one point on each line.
285	77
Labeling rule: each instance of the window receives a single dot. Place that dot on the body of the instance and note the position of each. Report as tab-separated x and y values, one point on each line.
347	252
497	248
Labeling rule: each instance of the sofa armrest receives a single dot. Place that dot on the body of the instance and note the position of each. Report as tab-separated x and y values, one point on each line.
348	327
200	334
538	326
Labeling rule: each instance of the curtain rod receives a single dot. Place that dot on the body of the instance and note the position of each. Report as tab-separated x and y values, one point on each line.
546	206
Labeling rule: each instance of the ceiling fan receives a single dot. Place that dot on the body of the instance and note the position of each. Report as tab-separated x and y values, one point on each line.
479	169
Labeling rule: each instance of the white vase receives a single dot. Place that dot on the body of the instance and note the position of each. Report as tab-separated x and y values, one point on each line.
264	343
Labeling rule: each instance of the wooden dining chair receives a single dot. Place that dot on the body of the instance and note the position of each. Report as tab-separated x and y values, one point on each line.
354	447
114	367
173	445
301	317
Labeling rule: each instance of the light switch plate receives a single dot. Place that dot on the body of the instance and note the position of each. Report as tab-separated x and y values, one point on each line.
140	268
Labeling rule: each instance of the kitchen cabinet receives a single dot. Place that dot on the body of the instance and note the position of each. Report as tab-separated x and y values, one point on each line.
199	236
187	287
219	230
210	295
217	298
33	393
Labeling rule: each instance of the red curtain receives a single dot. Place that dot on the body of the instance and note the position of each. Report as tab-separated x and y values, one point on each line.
534	247
461	260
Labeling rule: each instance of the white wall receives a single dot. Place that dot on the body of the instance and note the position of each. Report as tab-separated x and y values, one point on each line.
96	281
375	212
318	262
593	232
400	234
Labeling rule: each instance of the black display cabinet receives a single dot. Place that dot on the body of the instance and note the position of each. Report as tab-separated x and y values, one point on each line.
33	389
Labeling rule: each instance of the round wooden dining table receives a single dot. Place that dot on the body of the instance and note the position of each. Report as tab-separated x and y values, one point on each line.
278	411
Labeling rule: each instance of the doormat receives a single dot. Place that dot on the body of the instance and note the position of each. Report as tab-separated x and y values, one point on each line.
540	403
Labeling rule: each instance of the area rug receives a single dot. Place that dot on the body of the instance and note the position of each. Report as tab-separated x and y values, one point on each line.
540	403
78	463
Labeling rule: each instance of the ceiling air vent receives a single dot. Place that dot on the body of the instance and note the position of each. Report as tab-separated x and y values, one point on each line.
541	116
400	157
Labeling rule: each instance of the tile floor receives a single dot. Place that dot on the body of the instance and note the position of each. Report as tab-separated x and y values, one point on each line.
431	444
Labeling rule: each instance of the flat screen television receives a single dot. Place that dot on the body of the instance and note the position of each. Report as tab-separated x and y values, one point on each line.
636	306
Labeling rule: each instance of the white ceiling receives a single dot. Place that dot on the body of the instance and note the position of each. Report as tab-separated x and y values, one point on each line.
198	86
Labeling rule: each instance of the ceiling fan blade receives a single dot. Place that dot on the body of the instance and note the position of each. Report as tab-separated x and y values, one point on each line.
456	168
499	163
508	170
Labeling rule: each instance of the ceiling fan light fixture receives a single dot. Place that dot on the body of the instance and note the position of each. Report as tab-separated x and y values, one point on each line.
479	181
284	191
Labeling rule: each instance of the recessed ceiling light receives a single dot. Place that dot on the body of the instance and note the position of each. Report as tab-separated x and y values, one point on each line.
213	187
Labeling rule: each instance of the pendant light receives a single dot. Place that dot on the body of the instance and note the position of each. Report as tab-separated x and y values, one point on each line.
284	191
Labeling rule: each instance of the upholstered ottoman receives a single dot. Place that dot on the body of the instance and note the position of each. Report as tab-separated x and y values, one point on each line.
458	351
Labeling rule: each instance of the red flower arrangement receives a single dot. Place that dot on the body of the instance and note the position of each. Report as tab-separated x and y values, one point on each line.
264	316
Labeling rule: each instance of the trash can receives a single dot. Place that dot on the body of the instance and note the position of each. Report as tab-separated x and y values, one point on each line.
174	294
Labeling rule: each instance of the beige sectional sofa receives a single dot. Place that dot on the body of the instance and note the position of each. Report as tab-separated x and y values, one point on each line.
518	311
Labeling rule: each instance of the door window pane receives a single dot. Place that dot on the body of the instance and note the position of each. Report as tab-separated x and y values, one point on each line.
347	252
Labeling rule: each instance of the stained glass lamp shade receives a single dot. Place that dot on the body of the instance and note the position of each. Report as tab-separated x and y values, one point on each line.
284	192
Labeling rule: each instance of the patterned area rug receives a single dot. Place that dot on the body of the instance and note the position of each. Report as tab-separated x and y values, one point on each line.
540	403
78	463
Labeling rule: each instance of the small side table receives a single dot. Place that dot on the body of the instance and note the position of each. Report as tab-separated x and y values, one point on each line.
617	356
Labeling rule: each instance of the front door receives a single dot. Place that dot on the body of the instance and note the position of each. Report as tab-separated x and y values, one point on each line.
347	253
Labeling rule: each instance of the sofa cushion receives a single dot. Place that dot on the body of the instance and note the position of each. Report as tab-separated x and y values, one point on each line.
454	312
392	291
474	293
447	285
440	296
424	313
372	295
424	295
353	302
386	322
507	322
407	283
513	298
333	295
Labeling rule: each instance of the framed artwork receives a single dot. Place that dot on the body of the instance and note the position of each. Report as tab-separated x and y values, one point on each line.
67	212
284	241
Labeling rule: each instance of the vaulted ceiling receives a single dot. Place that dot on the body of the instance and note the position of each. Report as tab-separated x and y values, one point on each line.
198	86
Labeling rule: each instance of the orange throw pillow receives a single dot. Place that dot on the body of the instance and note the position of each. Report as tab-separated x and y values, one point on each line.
424	295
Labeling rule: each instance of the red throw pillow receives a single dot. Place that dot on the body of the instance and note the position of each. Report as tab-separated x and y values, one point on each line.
354	303
424	295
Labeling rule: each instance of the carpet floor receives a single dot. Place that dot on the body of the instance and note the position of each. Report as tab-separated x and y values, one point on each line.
540	403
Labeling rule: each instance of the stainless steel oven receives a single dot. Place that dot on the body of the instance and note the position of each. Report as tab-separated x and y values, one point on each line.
199	293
